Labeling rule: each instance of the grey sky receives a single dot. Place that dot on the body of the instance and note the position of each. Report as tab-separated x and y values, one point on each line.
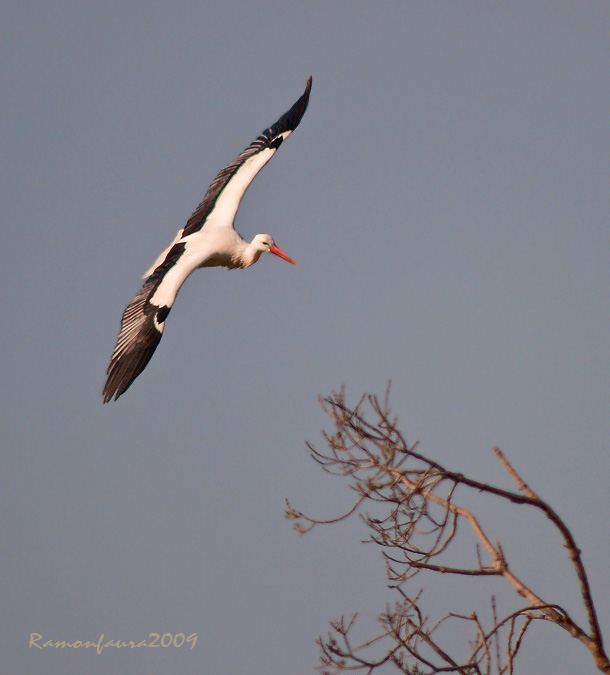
446	197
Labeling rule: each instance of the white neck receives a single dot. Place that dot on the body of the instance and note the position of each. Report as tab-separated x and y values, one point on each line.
250	254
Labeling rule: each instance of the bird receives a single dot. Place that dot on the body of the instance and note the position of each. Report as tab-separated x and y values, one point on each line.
207	240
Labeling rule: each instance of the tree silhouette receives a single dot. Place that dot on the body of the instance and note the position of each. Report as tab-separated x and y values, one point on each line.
415	522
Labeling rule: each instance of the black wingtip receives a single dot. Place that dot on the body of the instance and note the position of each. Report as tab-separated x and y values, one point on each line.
290	120
123	372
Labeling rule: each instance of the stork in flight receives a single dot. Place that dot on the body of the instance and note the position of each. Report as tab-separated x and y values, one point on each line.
207	240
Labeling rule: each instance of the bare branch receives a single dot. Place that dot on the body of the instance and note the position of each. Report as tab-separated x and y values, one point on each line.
414	517
573	550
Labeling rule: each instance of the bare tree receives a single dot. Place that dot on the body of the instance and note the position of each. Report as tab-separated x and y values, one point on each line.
416	523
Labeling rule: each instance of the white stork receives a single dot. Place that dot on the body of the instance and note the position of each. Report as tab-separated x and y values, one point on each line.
207	240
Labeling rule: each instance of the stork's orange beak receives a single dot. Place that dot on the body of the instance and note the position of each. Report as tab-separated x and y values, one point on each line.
280	254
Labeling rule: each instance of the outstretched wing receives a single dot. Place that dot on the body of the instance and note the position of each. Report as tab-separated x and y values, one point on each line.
222	199
143	322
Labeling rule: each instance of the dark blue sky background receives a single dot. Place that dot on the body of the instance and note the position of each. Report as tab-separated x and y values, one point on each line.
446	197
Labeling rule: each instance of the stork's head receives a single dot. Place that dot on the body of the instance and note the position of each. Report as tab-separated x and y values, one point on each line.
265	244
